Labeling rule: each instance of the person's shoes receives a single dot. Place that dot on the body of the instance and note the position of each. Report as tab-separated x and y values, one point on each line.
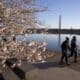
67	64
75	61
61	62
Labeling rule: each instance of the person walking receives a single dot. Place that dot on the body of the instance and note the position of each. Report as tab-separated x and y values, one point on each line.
73	49
64	48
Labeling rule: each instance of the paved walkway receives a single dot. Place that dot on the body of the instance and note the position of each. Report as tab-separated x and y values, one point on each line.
51	70
53	74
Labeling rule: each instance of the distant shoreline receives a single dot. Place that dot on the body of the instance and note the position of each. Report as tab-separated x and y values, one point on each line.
57	31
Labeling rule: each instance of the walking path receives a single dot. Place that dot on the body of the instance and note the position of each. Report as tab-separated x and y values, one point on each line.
53	74
50	70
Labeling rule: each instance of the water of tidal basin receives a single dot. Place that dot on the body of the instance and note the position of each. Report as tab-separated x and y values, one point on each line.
54	40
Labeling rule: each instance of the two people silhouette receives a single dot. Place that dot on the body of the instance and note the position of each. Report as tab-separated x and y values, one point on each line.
72	48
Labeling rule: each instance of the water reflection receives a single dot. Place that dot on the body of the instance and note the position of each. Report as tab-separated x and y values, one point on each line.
59	39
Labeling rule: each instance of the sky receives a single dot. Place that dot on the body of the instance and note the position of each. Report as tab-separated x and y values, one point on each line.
68	9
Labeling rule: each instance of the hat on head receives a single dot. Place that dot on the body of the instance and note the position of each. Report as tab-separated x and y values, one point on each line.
74	37
67	38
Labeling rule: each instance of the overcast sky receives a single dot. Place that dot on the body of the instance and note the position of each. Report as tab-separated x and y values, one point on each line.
68	9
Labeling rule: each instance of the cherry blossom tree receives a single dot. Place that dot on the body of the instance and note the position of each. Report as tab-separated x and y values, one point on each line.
16	18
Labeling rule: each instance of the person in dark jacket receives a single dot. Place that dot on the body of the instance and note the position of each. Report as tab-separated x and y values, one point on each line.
64	48
73	49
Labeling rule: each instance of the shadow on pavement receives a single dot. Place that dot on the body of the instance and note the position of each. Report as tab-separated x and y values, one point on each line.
1	77
20	73
48	65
